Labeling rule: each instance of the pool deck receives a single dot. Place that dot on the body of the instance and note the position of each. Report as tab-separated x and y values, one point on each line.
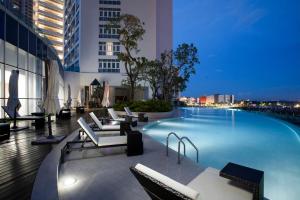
105	174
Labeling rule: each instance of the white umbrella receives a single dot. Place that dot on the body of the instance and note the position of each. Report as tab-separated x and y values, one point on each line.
69	101
51	103
13	101
80	97
105	101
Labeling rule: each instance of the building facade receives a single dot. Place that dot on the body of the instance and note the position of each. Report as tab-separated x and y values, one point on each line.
90	50
48	15
23	49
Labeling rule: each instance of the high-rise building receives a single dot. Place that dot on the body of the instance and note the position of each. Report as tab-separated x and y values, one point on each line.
90	49
24	7
48	15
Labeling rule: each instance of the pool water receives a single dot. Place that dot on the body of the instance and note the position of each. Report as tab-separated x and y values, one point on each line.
250	139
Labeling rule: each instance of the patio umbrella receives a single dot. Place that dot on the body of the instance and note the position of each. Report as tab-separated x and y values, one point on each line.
51	103
69	101
13	102
105	101
81	97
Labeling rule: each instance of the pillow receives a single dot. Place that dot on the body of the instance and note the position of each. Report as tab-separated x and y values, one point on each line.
186	191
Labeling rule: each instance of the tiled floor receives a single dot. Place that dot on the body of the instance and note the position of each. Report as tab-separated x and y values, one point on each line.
104	174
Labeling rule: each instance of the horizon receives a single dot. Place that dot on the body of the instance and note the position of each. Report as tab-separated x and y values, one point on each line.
247	48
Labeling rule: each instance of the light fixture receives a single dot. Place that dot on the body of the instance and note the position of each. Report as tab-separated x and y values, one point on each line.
69	181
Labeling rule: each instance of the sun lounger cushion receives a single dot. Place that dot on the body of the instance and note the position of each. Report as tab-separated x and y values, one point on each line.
180	188
214	187
129	113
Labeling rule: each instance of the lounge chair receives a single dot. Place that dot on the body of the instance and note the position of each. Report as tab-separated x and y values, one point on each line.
114	115
98	142
14	115
207	185
141	116
102	127
129	113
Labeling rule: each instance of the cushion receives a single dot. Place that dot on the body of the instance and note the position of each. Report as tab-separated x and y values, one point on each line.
186	191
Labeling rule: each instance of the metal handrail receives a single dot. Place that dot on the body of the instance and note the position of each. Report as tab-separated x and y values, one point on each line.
178	150
197	151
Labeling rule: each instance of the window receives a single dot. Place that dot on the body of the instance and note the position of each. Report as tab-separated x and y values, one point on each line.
109	66
109	48
111	2
11	54
108	32
107	14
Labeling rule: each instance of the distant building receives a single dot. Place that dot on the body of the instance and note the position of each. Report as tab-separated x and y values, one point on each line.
211	99
25	7
203	100
48	15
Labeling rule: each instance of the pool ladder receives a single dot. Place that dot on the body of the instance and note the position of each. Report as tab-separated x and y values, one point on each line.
181	141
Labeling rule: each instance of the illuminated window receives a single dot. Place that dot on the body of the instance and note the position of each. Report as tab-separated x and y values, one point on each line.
109	48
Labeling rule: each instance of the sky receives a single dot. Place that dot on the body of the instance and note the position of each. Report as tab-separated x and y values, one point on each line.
249	48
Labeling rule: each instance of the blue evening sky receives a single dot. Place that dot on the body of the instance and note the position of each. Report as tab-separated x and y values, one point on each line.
247	48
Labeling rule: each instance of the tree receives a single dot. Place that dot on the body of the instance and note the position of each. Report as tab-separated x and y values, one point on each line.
131	31
152	75
178	66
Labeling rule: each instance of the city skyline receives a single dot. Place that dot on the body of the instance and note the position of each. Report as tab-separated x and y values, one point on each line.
247	48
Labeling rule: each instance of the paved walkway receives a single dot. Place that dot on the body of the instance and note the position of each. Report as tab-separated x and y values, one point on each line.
104	174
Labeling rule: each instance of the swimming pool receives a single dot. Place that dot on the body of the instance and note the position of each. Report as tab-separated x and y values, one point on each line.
245	138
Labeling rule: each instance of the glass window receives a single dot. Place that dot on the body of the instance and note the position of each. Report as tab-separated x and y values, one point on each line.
1	24
11	54
11	30
23	38
22	84
1	81
1	50
31	63
32	84
22	59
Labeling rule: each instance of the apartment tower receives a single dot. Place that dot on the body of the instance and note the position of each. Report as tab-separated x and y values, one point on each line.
90	49
48	15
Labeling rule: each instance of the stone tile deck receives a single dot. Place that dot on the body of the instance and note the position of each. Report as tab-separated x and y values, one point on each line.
104	174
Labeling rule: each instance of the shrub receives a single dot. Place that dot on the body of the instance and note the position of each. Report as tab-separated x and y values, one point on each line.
145	106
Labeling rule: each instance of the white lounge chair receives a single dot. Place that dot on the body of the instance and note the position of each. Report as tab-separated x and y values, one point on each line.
102	141
208	185
129	113
114	115
104	127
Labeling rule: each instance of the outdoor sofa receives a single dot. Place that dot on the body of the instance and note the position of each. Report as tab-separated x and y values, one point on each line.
208	185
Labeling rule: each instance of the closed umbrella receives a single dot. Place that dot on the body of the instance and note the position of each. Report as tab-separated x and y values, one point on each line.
51	103
69	101
13	102
105	100
80	98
